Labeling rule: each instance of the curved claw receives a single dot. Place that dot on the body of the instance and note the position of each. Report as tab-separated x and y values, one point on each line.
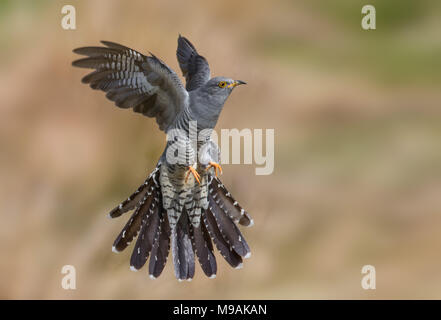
195	174
216	167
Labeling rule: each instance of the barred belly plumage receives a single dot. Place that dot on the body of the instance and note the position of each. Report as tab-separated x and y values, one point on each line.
179	194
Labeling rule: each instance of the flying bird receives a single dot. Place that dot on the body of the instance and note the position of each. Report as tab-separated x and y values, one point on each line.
182	203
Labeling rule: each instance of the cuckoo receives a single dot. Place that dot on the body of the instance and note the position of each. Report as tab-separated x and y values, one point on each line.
182	204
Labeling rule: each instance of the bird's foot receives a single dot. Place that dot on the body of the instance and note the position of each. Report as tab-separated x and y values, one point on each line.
216	167
195	174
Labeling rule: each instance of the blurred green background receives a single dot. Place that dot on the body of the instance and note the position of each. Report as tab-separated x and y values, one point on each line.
356	114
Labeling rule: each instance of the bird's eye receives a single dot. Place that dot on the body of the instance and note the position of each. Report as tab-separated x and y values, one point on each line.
222	84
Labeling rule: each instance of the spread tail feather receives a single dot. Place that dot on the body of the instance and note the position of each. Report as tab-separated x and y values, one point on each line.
161	248
183	256
230	206
203	248
146	239
229	231
134	200
224	248
155	236
145	210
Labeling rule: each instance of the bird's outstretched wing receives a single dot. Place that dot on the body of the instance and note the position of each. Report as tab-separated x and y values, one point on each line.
133	80
194	66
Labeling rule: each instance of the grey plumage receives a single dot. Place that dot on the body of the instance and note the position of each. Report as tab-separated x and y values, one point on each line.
194	67
133	80
172	208
231	256
160	248
203	247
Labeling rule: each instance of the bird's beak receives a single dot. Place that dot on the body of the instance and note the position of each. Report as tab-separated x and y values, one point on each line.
236	83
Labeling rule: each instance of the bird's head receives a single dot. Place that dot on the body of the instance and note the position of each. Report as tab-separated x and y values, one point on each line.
210	99
220	88
223	85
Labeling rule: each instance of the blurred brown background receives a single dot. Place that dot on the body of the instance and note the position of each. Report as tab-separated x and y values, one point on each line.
356	115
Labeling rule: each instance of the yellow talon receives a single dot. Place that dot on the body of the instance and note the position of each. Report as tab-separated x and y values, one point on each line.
216	167
195	174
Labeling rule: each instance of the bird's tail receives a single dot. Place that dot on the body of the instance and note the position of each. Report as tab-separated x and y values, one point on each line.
150	223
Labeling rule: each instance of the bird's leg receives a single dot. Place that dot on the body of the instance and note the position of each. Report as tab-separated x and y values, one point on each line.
195	174
216	167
